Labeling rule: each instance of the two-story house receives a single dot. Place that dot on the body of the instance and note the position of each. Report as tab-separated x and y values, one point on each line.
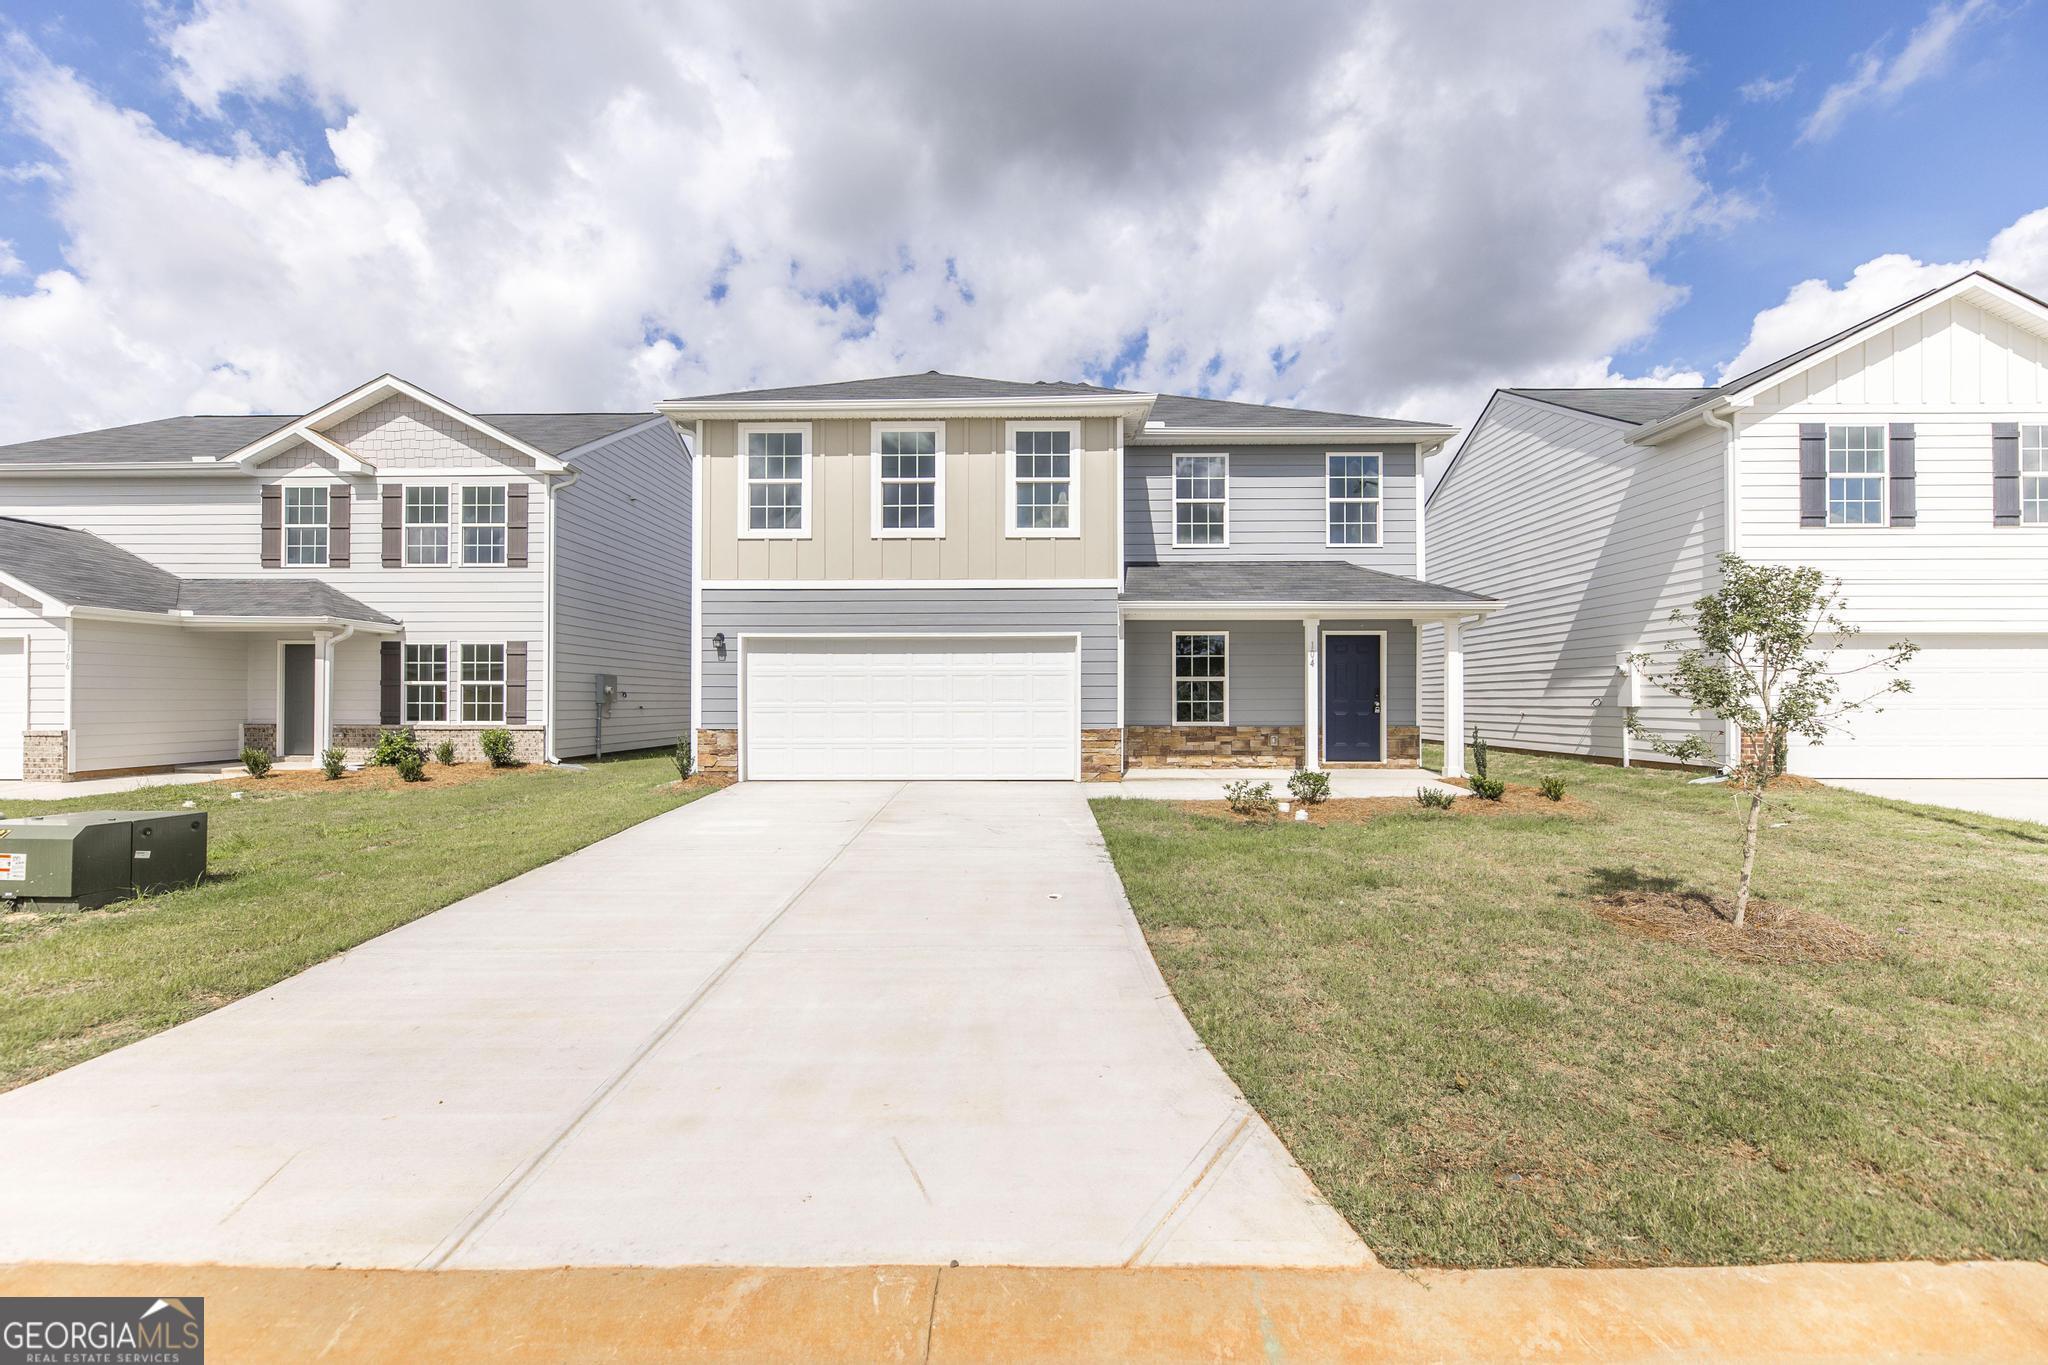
174	590
937	576
1906	456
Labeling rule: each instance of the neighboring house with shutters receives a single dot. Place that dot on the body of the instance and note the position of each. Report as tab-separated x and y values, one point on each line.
942	576
174	590
1906	456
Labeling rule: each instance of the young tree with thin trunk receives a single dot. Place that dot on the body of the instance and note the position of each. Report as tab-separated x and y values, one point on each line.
1764	660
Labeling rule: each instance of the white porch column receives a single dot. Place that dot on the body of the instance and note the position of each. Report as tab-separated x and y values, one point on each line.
323	700
1312	693
1454	700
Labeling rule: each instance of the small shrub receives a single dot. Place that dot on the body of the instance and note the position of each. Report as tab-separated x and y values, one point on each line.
393	745
1434	798
497	747
412	766
331	761
1311	789
444	753
1552	787
1251	798
1478	752
1488	788
257	761
685	761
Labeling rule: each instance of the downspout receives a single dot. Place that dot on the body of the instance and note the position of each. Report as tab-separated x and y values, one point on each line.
327	644
556	484
1731	738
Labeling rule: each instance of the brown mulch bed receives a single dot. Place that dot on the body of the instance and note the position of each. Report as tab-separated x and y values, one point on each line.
1357	810
1771	932
368	778
701	782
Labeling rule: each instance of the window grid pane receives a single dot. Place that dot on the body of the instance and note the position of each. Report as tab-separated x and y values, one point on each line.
2034	475
305	525
483	683
1354	499
426	525
1044	475
1856	464
909	480
1200	490
483	524
775	480
426	683
1200	678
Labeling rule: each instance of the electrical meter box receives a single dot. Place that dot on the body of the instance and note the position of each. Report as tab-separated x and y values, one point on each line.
82	860
607	692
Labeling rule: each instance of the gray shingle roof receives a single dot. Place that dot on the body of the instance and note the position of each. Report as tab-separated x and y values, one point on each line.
1292	580
1178	411
81	570
179	440
912	388
1632	405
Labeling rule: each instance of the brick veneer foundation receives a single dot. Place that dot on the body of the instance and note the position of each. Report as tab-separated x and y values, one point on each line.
718	751
1213	746
357	742
42	756
1102	755
259	734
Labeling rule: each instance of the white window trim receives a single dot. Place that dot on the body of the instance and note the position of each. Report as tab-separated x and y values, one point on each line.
1173	472
1379	528
937	530
458	515
1072	530
457	684
746	429
1884	475
326	523
1173	681
2024	475
447	683
450	522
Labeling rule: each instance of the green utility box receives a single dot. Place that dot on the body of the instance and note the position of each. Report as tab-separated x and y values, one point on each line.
86	859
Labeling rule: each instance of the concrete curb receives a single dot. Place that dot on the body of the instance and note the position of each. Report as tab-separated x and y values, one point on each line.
1890	1311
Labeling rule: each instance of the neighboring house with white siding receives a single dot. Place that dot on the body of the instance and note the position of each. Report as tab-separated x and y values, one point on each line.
941	576
175	590
1906	456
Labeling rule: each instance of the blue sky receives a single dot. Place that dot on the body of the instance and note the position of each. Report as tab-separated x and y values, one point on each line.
526	206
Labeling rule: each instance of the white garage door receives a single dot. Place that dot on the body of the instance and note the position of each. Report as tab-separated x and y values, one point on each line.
13	704
1975	711
945	707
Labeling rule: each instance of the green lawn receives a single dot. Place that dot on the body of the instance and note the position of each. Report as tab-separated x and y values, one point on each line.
1477	1070
295	877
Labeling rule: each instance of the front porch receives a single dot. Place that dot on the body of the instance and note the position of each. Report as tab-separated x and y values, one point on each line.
1279	665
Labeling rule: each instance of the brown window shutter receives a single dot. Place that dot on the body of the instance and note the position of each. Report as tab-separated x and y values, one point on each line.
390	684
1905	507
515	682
341	502
273	526
1813	474
2005	473
394	526
515	527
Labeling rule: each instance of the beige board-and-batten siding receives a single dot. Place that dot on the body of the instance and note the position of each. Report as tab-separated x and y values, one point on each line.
842	543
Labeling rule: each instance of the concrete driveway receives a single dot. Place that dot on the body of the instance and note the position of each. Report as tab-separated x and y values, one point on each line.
2012	798
786	1025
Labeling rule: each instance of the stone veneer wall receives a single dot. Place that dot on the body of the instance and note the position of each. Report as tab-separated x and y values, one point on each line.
718	751
1214	746
1102	755
42	755
359	741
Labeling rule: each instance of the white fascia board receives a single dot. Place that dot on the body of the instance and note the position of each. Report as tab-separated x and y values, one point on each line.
369	395
210	622
341	454
1131	408
126	470
1211	611
1431	436
52	609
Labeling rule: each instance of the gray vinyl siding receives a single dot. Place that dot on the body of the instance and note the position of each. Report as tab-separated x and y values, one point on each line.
1265	666
1592	543
622	592
1277	507
921	609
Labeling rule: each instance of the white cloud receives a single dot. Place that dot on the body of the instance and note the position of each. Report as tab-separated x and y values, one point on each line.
1768	89
10	264
1813	309
534	209
1877	80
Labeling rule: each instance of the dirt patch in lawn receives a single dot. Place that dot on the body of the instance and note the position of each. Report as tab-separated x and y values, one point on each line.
1358	810
1771	933
701	782
372	778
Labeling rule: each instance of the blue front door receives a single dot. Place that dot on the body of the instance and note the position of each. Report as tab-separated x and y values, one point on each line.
1351	699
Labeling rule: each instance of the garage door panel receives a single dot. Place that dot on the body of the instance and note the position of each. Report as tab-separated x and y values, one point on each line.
925	708
1972	712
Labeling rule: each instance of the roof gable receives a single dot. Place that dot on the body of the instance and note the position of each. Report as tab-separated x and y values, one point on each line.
322	427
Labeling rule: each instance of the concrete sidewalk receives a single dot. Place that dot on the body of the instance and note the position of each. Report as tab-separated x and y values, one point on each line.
1983	1311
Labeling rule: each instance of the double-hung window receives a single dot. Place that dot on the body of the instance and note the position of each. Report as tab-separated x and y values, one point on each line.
1201	500
426	683
775	482
426	525
2034	476
1856	476
909	489
1353	487
483	524
1040	482
1201	677
305	525
483	683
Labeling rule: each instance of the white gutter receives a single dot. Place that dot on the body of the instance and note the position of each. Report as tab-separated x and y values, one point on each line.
1418	436
187	618
327	644
1346	610
695	632
1134	406
129	470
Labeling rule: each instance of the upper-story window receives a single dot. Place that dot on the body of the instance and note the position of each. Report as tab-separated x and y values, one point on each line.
305	525
2034	475
1201	500
426	524
775	481
1041	484
1354	498
1856	476
483	524
909	479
